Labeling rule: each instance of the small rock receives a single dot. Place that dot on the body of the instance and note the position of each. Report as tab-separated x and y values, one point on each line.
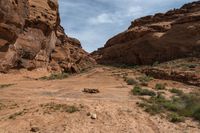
35	129
88	114
88	90
93	116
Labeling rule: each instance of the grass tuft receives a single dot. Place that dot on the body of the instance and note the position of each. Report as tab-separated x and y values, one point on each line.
174	117
55	76
137	90
130	81
176	91
145	79
5	85
13	116
60	107
160	87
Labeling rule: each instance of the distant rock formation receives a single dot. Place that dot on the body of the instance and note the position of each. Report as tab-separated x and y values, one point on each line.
158	38
31	37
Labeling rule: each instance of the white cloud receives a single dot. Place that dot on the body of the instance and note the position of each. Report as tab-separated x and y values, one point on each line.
116	17
134	11
93	22
101	19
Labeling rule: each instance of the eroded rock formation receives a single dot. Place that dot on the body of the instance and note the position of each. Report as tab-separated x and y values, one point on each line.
161	37
180	76
31	37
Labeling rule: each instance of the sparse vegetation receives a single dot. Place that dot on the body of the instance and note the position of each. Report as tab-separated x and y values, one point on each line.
5	85
137	90
60	107
55	76
155	104
184	105
13	116
196	114
130	81
160	86
174	117
145	78
176	91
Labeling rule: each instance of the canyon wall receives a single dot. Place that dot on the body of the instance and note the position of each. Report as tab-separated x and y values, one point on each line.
31	37
162	37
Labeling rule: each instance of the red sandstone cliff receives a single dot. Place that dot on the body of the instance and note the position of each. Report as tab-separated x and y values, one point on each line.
161	37
31	37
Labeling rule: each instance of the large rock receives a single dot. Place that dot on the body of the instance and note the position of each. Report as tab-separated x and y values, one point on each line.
31	37
161	37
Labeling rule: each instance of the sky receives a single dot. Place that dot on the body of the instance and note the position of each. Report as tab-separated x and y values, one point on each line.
93	22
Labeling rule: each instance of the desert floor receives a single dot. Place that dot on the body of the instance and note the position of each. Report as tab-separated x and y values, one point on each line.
30	105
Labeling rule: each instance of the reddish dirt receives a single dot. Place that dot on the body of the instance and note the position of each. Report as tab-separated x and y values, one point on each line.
115	107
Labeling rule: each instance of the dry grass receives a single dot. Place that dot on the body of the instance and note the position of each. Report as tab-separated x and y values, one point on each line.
59	76
60	107
5	85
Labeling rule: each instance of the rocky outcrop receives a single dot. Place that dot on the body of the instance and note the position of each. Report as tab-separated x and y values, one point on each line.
157	38
68	54
31	37
180	76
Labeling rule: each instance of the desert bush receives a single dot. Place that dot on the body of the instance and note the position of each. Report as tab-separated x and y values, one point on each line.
130	81
155	104
174	117
184	105
137	90
196	114
145	78
176	91
160	86
191	105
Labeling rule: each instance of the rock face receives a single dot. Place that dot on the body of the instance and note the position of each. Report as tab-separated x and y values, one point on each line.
161	37
184	77
31	37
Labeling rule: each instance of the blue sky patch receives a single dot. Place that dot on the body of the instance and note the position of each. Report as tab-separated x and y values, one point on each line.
93	22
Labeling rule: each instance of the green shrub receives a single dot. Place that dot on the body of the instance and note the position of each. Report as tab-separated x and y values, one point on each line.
145	78
142	92
191	104
176	91
160	87
130	81
174	117
196	114
153	109
184	105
